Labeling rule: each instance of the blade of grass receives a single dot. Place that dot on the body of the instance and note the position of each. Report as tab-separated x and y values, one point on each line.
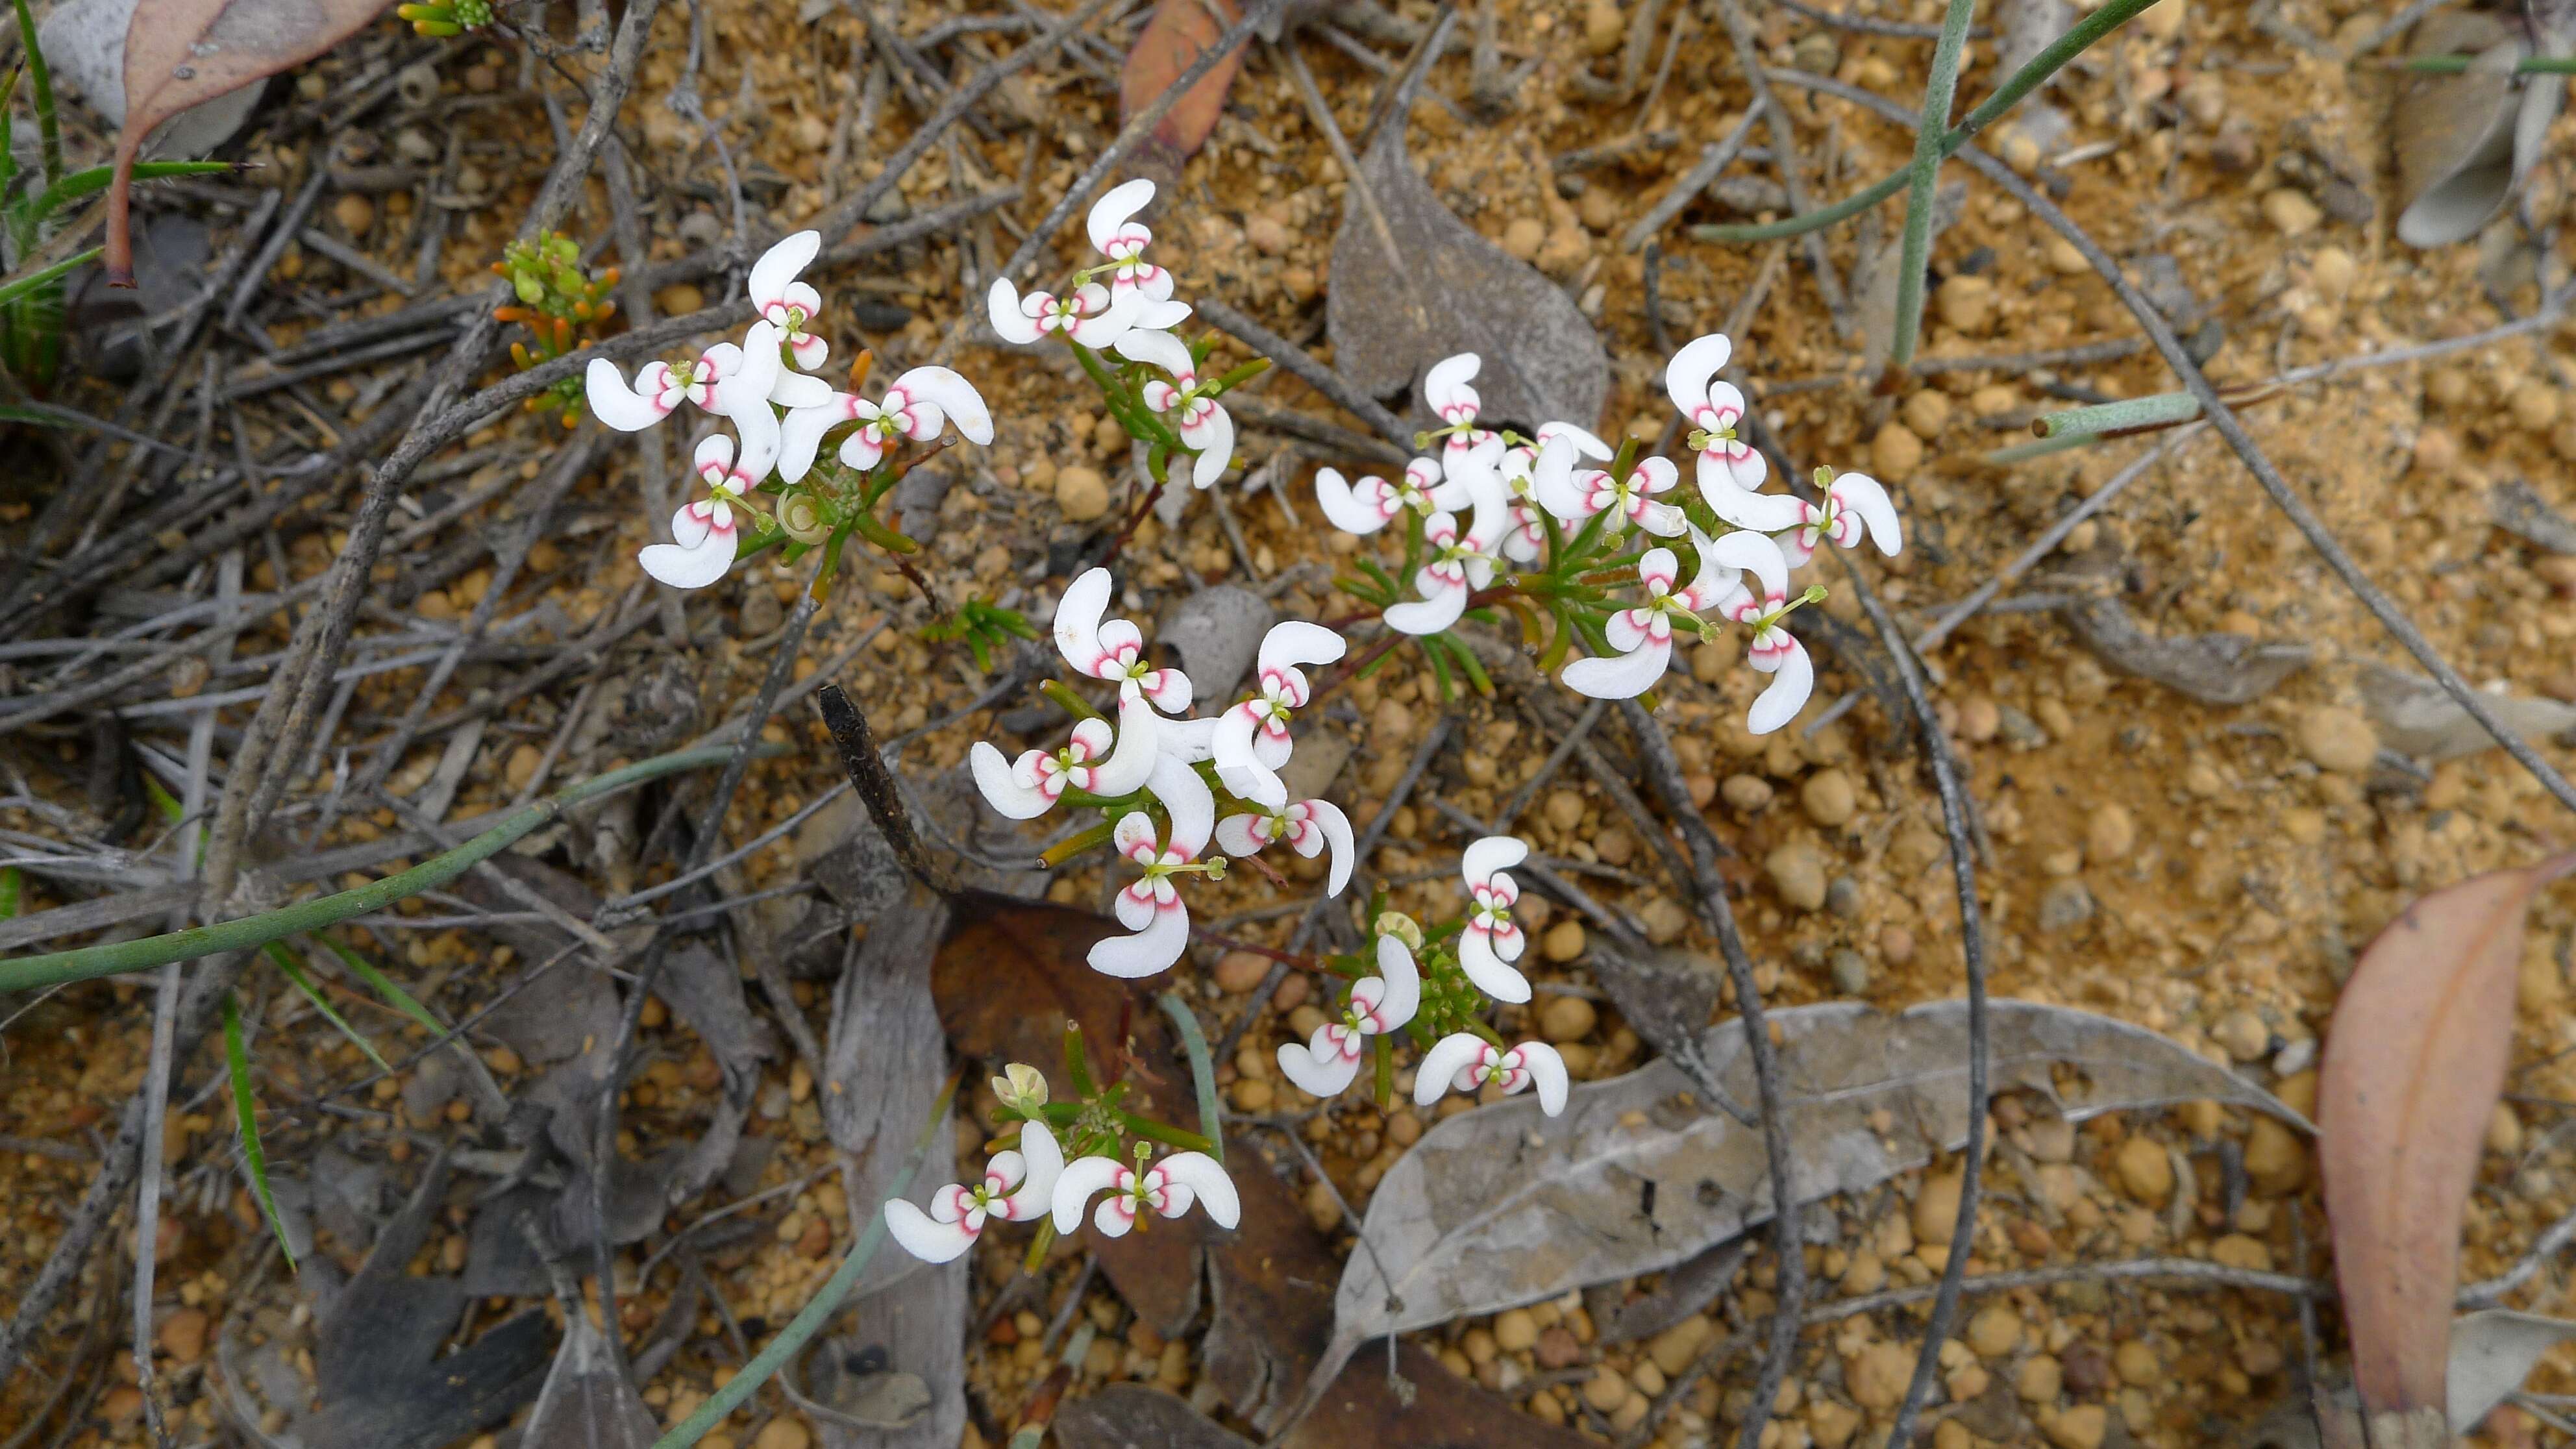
246	1121
1202	1072
284	956
383	985
20	286
40	80
94	180
9	879
1915	252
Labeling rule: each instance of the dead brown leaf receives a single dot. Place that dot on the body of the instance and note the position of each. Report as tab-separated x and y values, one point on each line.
2414	1065
181	53
1179	32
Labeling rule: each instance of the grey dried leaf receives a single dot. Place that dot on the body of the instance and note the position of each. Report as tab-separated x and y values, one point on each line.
1666	996
587	1402
1412	284
1218	632
1686	1290
2520	511
2416	717
1132	1416
2211	668
2491	1354
1502	1205
2465	141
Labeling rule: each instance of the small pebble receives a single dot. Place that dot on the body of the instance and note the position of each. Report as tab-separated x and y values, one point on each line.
2138	1364
2145	1172
786	1433
2019	729
1557	1348
2111	833
1995	1331
2038	1380
1566	1018
2275	1159
1082	493
1936	1209
1927	412
355	214
2064	905
2535	406
1967	303
1851	972
1979	718
1239	971
1896	945
182	1335
1607	1389
1267	235
2163	20
1829	798
2081	1427
1842	898
2243	1034
2291	212
1603	27
1523	237
2338	739
1563	941
1564	809
1895	452
1746	794
1515	1331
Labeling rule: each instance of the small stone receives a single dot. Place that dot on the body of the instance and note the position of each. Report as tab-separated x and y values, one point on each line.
1515	1331
2332	271
1082	493
1567	1018
1927	412
1564	809
1523	237
1896	945
2535	406
2138	1364
2066	258
1267	235
1895	452
1967	303
1675	1347
1995	1331
2065	905
2275	1160
1878	1374
2244	1035
355	214
1936	1209
1979	718
2163	20
183	1335
1603	27
2146	1174
1851	972
1240	971
2504	1131
1563	941
2237	1250
2291	212
2111	833
2204	99
1566	248
2083	1426
1832	1425
2038	1380
1557	1348
1828	797
1599	209
1746	794
2338	739
2019	729
787	1433
1607	1389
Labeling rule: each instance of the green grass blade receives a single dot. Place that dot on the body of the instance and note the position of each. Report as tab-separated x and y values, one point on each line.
9	879
94	180
1202	1072
246	1118
19	286
383	986
9	130
294	968
40	78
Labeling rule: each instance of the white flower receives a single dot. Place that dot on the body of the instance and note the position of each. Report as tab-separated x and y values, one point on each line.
1329	1061
1090	314
1464	1063
1114	650
1166	1188
1089	761
1730	468
1123	241
1016	1187
1373	502
725	380
1446	388
1491	939
1307	825
707	535
1203	422
1457	568
1644	634
1526	538
916	406
787	303
1855	507
1574	496
1251	740
1152	906
1773	649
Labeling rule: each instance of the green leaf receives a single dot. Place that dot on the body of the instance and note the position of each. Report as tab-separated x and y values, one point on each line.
1202	1074
40	78
20	286
394	996
9	879
288	962
163	801
246	1119
94	180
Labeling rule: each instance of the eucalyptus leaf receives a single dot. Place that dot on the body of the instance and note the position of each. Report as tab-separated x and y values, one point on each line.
2465	141
1502	1205
2417	717
2211	668
2491	1354
1412	284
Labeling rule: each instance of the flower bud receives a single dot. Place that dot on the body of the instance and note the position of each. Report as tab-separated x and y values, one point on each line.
801	514
1402	927
1022	1088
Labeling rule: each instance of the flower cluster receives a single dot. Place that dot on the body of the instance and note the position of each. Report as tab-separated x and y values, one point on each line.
1541	508
439	19
1123	304
1034	1180
782	415
1158	759
556	301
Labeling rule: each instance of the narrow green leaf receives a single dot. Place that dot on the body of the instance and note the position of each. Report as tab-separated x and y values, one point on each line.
1202	1072
40	79
246	1121
163	801
394	996
20	286
288	962
94	180
9	879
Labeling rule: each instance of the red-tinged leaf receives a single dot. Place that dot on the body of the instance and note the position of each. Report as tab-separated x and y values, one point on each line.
1179	32
2414	1065
182	53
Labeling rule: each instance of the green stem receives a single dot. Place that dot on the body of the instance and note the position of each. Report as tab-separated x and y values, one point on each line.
2126	415
1130	409
1165	1133
2454	64
32	973
41	77
2021	83
19	286
1915	252
817	1311
1202	1071
94	180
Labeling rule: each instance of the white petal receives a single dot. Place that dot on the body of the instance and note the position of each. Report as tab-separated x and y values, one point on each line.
1446	382
799	390
1552	484
1620	676
1860	493
1132	760
1202	1175
1043	1162
1491	974
714	450
925	1237
1189	741
1662	520
1239	767
1234	835
1337	833
689	568
688	527
1547	1073
1077	620
1297	642
810	351
1344	508
1793	681
1162	313
1113	208
1082	1179
1429	615
1150	950
1488	854
1186	799
1403	983
1585	443
622	407
780	265
1100	329
761	437
1758	556
1002	789
1157	349
1318	1070
801	436
1438	1070
955	396
745	391
1686	376
1002	305
1213	436
1731	502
